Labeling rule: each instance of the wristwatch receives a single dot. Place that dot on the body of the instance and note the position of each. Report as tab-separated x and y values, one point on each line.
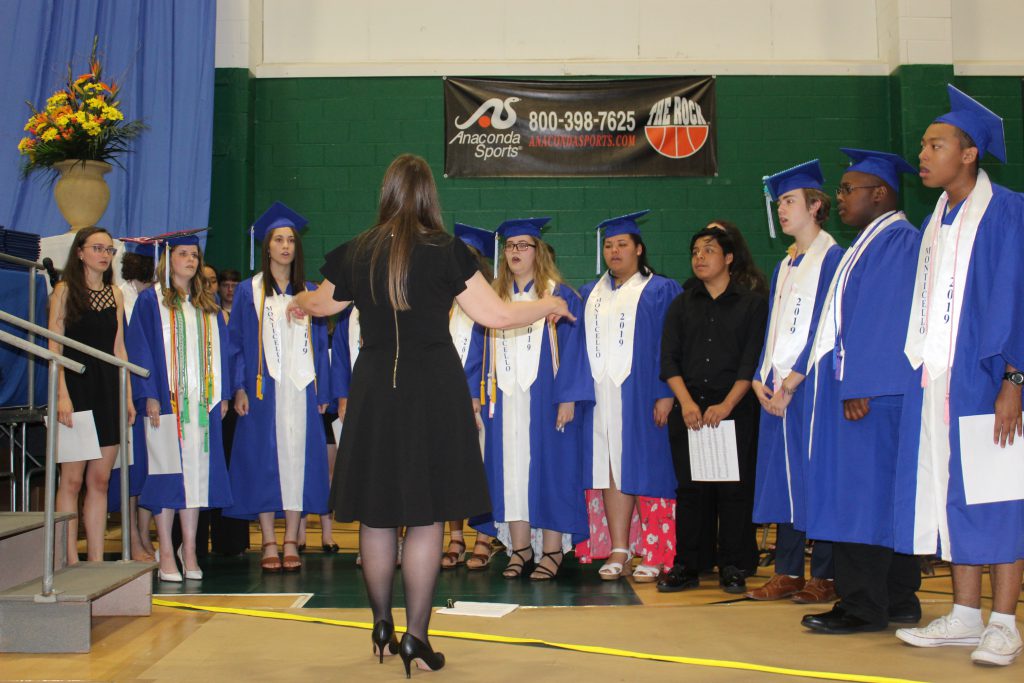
1016	378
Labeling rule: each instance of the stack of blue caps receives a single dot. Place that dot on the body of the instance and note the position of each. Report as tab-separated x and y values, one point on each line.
21	244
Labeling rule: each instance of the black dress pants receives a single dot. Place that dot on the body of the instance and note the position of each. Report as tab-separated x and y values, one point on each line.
734	501
874	581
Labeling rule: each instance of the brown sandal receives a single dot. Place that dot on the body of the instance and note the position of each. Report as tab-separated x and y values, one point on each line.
291	563
484	558
270	564
451	559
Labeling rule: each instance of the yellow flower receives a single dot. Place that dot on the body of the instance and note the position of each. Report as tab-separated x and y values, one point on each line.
79	116
95	102
49	134
57	98
25	145
62	120
112	114
91	127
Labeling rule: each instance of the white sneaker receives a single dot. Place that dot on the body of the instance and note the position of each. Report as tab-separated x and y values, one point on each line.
1000	645
946	630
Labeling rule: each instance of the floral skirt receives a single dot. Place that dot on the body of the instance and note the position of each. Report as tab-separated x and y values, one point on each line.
652	531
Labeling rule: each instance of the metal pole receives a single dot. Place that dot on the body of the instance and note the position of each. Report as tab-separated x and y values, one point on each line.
126	515
31	337
51	480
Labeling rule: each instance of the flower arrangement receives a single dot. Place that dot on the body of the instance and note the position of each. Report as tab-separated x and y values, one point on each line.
81	121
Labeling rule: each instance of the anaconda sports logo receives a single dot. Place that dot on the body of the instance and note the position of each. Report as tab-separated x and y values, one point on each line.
676	127
494	113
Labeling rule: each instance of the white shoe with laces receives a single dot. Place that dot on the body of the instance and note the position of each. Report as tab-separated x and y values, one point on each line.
946	630
1000	645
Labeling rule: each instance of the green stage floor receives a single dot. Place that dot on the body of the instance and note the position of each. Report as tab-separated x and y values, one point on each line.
336	581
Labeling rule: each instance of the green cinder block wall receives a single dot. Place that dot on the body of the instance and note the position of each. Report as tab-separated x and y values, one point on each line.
322	144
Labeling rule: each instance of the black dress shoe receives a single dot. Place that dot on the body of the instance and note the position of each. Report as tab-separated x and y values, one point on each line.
677	579
732	580
905	615
838	621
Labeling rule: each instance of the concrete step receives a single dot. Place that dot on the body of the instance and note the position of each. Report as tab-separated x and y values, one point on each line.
22	540
62	622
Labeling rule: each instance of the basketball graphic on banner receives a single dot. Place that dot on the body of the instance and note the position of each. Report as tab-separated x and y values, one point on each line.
676	142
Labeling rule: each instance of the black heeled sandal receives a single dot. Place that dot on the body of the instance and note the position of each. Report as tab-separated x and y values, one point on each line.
413	649
542	573
384	634
514	571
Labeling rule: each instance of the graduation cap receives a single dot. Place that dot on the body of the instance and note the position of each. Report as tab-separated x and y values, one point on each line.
620	225
522	226
141	247
484	241
279	215
178	238
972	117
885	165
805	175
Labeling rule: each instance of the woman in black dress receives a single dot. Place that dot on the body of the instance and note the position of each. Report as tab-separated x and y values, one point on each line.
85	307
409	453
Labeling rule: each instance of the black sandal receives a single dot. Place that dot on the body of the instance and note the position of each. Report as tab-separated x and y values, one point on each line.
542	573
514	571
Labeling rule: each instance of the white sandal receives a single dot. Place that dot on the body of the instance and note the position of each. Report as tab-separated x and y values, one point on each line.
612	571
646	573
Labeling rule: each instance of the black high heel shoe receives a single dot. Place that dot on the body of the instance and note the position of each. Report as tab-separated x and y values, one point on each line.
384	634
413	649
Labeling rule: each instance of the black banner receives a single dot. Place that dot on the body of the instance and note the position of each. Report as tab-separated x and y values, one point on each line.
643	127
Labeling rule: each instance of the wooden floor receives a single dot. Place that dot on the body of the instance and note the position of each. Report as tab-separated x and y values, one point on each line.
266	634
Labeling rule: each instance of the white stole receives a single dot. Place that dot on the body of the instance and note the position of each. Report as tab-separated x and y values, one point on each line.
517	351
796	288
130	295
460	326
355	337
610	319
194	465
935	320
280	333
831	320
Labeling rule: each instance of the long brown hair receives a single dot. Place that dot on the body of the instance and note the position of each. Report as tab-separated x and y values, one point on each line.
545	272
742	269
410	214
200	298
73	276
296	272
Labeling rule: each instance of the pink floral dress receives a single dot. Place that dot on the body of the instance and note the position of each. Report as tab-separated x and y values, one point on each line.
652	531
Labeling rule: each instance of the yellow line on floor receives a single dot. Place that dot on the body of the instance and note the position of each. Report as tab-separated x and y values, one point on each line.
510	640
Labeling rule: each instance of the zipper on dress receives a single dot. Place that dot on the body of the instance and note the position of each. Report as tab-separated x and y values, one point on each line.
394	371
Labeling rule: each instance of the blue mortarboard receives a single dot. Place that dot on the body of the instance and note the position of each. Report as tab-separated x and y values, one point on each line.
522	226
484	241
279	215
140	248
620	225
972	117
181	238
806	175
885	165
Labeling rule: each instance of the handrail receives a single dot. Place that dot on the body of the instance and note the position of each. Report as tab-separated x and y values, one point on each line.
18	261
72	344
123	368
54	359
47	354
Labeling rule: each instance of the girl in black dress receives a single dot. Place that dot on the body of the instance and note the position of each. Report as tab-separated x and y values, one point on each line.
409	453
85	307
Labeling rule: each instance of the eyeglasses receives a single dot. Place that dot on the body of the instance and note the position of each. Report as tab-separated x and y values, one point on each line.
100	249
846	189
519	246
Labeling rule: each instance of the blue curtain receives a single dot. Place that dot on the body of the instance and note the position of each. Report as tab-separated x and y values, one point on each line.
162	54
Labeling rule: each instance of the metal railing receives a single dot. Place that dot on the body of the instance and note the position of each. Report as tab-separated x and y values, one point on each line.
124	367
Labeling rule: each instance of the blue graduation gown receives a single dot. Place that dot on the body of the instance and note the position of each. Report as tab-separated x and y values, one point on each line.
647	468
139	469
779	487
145	346
990	336
555	488
254	472
852	464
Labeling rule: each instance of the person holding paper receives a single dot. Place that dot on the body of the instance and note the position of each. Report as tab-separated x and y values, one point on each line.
798	289
964	340
538	375
86	307
710	344
281	384
178	335
625	443
856	378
